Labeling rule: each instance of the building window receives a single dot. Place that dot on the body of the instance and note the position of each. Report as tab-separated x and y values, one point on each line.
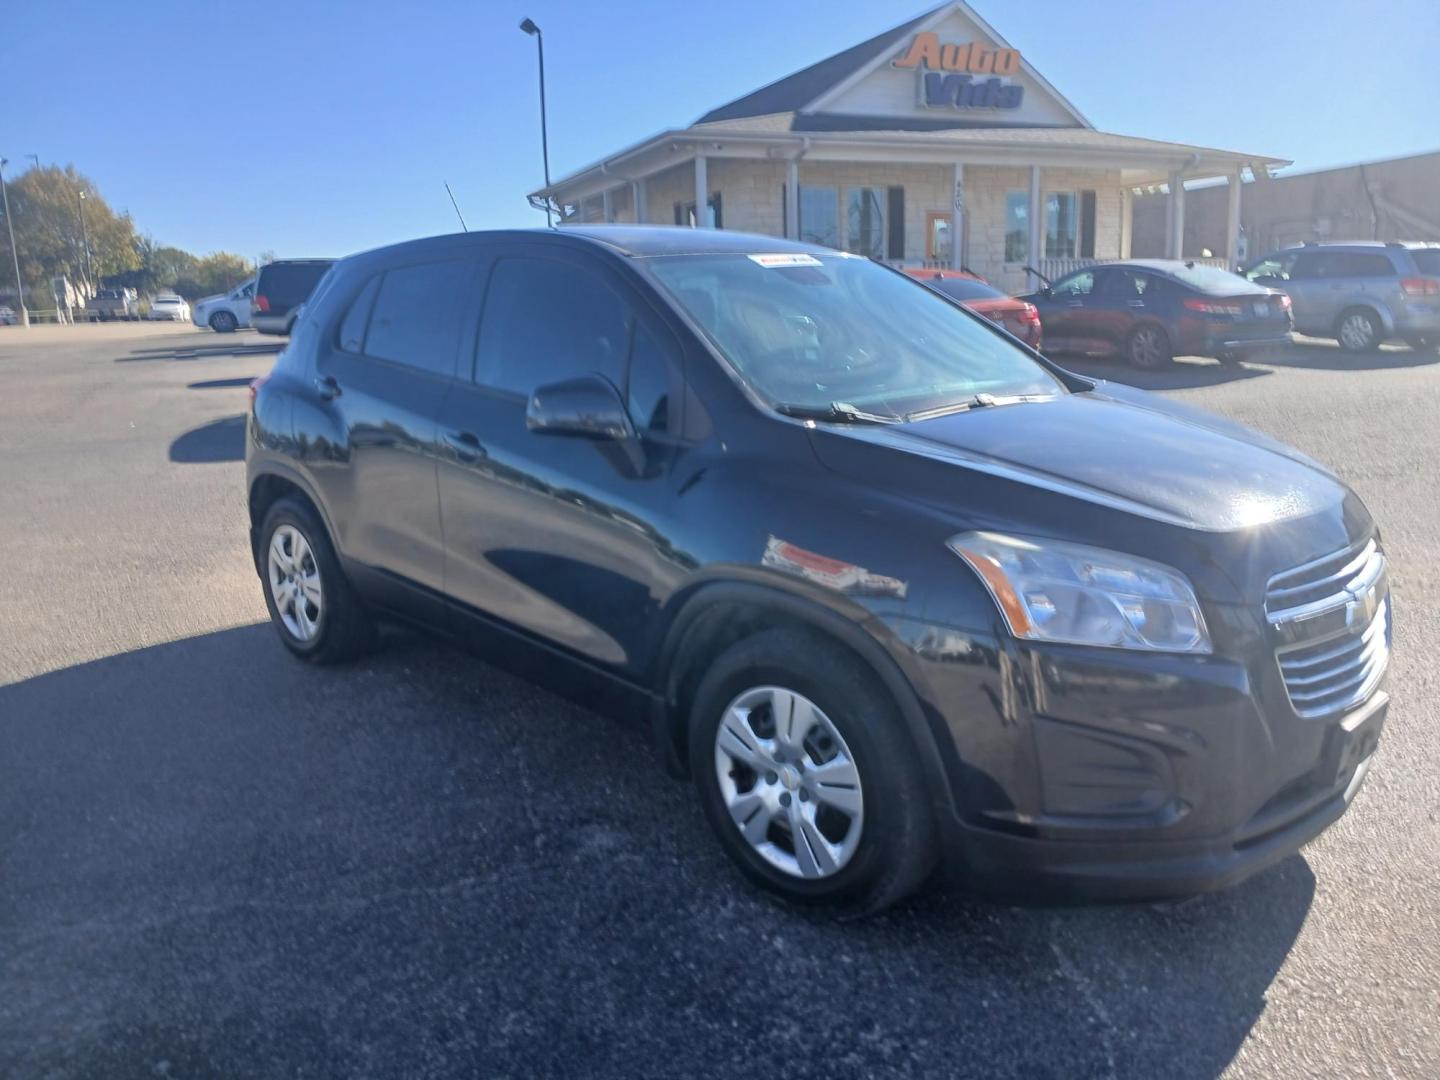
1062	225
820	215
685	213
865	214
1017	226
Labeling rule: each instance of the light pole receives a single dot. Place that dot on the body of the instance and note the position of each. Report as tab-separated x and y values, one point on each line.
14	254
534	31
85	236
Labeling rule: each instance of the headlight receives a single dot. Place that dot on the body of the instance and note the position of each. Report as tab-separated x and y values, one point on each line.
1053	591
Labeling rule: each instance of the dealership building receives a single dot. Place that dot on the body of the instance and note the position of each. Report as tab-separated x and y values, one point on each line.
933	132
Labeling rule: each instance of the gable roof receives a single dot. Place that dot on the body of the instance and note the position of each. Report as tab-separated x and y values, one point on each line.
794	92
810	89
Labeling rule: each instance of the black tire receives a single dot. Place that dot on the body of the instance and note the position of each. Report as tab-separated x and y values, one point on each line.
1423	344
345	629
1232	358
223	322
1148	347
1358	341
896	848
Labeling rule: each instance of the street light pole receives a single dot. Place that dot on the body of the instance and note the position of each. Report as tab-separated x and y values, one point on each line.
14	253
85	236
534	31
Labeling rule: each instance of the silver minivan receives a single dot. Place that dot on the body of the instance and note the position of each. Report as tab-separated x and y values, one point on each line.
1359	293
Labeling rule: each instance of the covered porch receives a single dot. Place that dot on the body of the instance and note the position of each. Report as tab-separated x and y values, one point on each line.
1018	200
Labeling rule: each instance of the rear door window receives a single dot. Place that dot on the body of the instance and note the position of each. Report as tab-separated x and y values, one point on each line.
1365	264
415	317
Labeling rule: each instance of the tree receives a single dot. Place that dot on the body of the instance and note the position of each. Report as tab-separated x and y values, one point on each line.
52	235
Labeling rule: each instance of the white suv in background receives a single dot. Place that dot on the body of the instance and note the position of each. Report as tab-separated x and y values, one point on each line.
225	312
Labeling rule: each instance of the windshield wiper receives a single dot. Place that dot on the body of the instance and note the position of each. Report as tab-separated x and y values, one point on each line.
836	412
978	401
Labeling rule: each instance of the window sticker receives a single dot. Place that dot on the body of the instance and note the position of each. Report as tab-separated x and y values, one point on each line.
774	261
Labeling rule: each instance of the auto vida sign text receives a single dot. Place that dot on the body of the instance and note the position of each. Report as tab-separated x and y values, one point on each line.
948	74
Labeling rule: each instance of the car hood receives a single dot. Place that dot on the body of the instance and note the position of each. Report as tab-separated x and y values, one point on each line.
1116	447
210	299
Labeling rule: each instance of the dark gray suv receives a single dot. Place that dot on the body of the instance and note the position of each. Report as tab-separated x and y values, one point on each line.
1359	293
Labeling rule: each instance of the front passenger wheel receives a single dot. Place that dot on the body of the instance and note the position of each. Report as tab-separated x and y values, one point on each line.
808	776
223	322
312	606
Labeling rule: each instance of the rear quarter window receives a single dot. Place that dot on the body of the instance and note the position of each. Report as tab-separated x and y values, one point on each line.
1427	261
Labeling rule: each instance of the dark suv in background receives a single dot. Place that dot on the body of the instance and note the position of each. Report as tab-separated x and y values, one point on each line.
281	287
892	588
1359	293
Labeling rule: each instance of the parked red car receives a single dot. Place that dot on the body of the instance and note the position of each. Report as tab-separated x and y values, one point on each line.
1017	316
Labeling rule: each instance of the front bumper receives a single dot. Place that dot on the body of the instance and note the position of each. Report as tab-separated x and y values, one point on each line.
1102	774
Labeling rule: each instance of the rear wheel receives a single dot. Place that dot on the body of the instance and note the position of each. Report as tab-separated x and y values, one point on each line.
222	322
315	611
807	775
1358	330
1148	346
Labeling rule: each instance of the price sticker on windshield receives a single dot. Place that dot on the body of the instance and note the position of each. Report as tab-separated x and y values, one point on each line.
775	261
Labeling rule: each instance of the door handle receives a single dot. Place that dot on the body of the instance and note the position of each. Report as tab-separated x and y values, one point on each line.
327	387
1137	303
1075	303
465	445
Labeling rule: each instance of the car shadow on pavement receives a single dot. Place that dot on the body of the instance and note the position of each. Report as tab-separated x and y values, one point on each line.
201	352
1181	375
1328	356
219	440
216	856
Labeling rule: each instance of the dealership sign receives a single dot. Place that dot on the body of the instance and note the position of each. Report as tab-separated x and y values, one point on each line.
948	74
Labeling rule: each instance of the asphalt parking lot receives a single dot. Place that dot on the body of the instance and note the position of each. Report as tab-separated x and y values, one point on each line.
217	861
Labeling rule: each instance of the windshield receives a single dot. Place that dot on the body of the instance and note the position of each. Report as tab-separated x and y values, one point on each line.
814	332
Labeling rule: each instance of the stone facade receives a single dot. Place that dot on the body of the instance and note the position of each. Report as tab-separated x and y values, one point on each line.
752	200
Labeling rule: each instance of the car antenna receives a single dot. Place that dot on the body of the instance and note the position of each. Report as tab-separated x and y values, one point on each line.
457	207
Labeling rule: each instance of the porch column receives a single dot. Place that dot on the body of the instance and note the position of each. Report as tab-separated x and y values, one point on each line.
607	207
792	199
637	200
1175	246
702	191
1127	220
1232	221
957	218
1036	248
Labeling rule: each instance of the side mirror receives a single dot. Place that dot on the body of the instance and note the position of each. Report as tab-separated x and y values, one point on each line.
588	407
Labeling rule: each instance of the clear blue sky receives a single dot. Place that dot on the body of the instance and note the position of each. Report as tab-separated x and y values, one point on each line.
328	127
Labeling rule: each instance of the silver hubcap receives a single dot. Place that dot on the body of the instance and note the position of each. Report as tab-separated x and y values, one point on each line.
789	782
1146	348
295	582
1356	332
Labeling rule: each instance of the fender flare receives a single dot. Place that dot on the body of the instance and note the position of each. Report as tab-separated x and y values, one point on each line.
284	471
854	635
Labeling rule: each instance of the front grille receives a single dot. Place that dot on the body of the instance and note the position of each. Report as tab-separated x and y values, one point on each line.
1333	618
